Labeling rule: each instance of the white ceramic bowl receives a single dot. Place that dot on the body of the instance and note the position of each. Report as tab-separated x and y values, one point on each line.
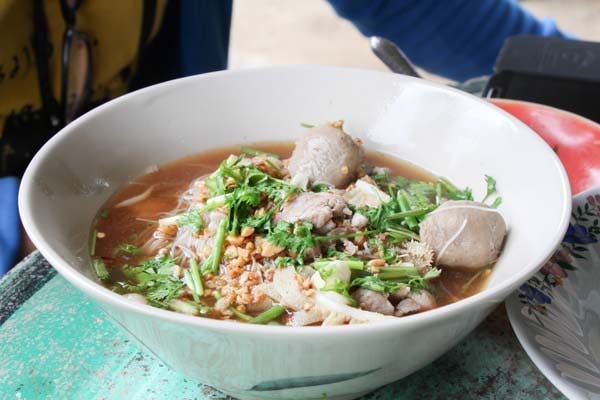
443	130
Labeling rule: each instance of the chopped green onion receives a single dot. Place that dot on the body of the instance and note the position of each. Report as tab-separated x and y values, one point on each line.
100	269
127	249
399	232
93	243
375	284
212	263
411	221
352	264
183	218
240	315
305	125
396	272
196	279
346	235
187	276
497	202
453	192
398	267
417	212
169	220
269	315
214	202
255	152
104	214
449	186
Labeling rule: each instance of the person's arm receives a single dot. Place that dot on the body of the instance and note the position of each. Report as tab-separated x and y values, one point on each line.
10	227
458	39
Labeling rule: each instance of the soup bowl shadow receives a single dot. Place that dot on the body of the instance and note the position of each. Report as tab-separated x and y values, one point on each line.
445	131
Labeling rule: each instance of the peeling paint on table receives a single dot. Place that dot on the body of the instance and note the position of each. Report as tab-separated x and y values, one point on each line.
55	343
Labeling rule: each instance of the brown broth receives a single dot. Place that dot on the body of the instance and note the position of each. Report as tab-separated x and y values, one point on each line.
133	224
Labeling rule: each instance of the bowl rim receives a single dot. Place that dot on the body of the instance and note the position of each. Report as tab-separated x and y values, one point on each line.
104	295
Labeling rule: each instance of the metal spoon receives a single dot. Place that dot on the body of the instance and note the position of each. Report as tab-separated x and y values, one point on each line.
392	56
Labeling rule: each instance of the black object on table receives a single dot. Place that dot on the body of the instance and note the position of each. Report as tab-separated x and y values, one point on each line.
557	72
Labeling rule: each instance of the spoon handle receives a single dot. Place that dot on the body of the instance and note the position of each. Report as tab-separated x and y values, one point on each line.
392	56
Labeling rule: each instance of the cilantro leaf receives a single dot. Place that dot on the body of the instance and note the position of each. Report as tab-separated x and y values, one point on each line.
192	219
154	280
490	187
127	249
454	193
339	286
296	238
100	268
376	284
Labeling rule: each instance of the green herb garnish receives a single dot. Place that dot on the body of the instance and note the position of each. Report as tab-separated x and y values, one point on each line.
319	187
154	280
352	264
193	280
192	219
377	284
211	265
490	190
455	193
296	238
240	315
255	152
490	187
93	243
410	220
100	268
269	315
128	249
284	262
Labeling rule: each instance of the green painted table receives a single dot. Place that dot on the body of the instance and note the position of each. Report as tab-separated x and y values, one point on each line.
56	344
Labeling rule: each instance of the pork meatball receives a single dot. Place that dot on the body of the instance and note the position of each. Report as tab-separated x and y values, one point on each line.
373	301
415	302
316	208
464	234
326	154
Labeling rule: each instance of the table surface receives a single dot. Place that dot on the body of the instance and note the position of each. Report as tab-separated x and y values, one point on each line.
55	343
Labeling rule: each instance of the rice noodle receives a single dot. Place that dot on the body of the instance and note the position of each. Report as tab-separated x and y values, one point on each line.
187	252
152	245
136	199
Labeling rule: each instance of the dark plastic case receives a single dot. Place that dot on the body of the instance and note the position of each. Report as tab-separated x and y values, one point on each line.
557	72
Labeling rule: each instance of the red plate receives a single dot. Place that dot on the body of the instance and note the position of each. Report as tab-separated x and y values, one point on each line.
575	139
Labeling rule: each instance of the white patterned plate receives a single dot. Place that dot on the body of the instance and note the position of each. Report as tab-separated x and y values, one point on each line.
556	314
